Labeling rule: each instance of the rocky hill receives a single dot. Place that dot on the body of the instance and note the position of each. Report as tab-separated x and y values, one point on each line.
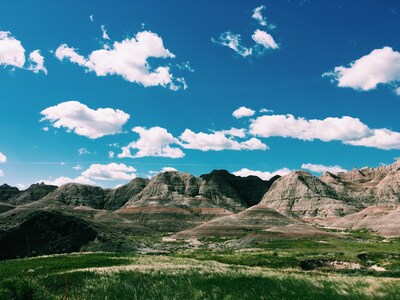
47	219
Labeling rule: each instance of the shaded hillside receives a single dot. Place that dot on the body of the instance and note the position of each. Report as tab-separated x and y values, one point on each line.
14	196
250	189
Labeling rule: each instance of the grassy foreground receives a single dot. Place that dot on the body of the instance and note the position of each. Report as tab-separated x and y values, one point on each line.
201	276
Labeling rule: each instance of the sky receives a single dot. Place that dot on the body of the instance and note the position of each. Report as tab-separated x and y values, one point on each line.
101	92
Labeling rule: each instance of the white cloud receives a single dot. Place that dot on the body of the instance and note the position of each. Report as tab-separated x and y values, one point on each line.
77	167
217	141
233	41
111	171
329	129
154	141
264	110
22	186
240	133
264	39
64	180
129	59
84	121
168	169
111	154
397	91
151	174
12	53
381	66
37	62
258	16
346	129
83	151
243	112
3	158
104	31
379	138
322	168
263	175
91	18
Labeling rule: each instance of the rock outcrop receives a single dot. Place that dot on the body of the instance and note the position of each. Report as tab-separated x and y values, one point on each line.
7	192
75	194
304	195
256	224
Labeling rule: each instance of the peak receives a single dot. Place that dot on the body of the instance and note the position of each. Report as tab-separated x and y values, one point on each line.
220	172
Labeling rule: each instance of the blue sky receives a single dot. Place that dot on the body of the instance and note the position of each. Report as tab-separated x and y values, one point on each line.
326	74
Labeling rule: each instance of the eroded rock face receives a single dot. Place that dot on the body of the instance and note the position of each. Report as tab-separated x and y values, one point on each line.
368	186
75	194
249	189
33	193
302	194
256	224
176	189
173	201
116	198
382	220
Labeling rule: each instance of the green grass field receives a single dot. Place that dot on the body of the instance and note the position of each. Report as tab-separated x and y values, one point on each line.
271	271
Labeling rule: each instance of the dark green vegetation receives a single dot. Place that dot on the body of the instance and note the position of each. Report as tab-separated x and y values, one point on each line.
271	271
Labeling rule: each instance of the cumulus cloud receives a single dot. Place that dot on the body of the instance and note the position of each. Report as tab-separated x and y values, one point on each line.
128	59
240	133
64	180
217	141
111	154
151	174
168	169
3	158
233	41
79	118
37	62
100	172
257	15
111	171
264	39
322	168
243	112
379	138
263	175
381	66
12	53
154	141
346	129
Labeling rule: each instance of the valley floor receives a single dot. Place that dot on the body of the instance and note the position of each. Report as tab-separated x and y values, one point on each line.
360	267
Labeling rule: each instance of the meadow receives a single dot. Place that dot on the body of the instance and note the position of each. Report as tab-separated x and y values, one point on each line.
272	270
